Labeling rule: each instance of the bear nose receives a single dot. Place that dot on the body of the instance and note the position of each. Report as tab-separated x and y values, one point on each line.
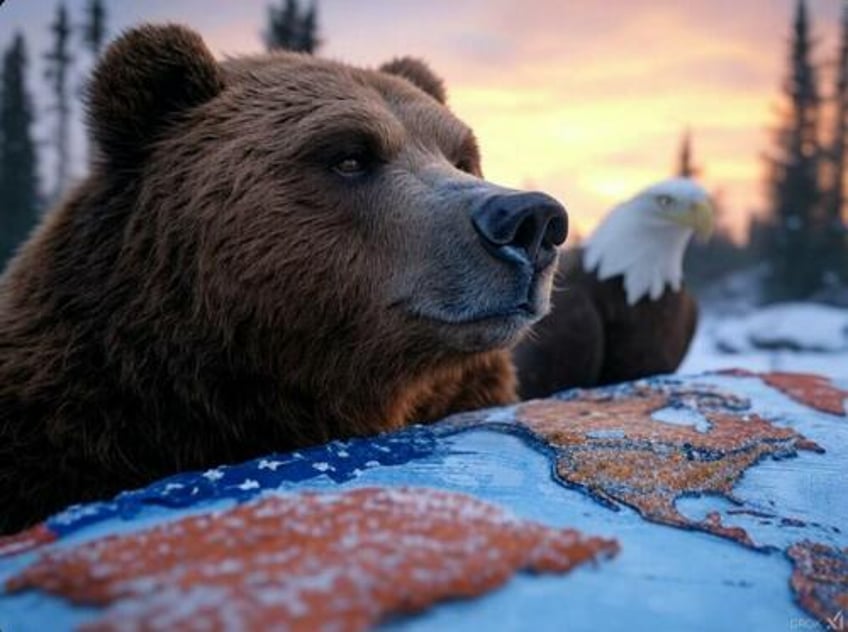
523	227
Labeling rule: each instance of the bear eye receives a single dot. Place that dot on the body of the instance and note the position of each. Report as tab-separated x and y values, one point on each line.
350	166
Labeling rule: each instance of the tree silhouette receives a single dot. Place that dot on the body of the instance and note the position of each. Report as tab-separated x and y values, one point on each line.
292	28
685	166
19	199
307	40
794	177
59	61
94	27
94	32
835	208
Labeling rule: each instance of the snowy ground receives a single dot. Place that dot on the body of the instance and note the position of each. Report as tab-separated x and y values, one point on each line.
797	337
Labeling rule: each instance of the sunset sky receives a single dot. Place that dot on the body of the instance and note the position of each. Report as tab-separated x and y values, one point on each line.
584	99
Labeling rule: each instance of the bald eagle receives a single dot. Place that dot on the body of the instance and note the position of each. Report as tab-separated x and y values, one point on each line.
619	308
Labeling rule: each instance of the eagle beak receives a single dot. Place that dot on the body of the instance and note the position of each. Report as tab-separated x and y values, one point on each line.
699	217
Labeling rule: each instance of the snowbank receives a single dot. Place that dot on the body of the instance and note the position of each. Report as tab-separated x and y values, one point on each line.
800	337
787	326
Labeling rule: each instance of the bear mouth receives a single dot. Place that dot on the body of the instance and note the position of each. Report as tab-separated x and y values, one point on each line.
484	331
526	303
523	314
525	311
484	316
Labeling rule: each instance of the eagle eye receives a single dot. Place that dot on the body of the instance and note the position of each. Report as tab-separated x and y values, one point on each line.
665	201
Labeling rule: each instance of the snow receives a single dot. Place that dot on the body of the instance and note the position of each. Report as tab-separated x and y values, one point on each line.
790	326
797	337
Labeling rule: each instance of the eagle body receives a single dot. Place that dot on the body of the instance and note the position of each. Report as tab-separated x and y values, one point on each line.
593	336
619	308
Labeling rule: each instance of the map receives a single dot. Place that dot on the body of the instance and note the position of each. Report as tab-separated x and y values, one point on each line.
710	502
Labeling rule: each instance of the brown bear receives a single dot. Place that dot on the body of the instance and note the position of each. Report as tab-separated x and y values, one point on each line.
269	252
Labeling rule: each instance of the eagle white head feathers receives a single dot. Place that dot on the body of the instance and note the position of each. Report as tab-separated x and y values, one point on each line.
645	238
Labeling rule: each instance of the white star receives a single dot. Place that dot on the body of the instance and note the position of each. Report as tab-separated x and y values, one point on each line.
213	475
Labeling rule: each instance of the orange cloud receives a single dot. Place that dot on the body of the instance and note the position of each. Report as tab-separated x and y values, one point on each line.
593	119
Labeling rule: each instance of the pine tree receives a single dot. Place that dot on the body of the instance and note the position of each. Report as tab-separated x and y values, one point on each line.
794	179
93	35
290	28
685	166
59	61
308	37
281	26
19	200
835	209
94	28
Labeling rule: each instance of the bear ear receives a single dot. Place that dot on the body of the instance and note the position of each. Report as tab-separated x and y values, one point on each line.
418	73
147	78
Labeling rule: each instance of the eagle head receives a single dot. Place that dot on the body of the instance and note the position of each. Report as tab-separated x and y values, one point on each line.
679	201
644	239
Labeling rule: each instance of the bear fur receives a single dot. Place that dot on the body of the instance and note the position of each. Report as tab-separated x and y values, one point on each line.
269	252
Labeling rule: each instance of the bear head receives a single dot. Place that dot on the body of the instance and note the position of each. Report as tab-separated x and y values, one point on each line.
307	196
